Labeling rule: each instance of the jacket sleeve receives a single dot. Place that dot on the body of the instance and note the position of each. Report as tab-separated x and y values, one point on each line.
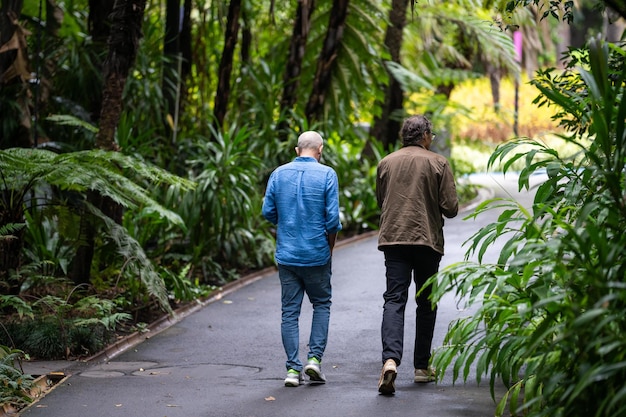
448	199
380	186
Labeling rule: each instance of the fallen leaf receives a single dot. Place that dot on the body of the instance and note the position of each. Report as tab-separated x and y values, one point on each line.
270	398
118	405
227	302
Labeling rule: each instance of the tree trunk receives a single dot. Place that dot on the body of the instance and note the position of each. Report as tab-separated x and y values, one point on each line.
99	28
127	19
246	38
326	62
226	64
293	68
185	43
14	75
386	127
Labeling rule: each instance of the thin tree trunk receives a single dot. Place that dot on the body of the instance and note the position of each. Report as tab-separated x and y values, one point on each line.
127	19
226	64
386	128
322	83
185	42
246	38
99	23
293	68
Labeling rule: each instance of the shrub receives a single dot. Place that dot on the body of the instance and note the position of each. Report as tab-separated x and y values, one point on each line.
14	384
549	314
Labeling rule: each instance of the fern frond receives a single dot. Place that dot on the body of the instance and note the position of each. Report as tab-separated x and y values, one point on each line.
137	262
111	174
7	231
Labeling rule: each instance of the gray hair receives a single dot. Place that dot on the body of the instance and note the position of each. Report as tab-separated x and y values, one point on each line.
310	140
413	130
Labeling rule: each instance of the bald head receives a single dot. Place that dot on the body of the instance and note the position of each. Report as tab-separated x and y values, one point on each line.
310	143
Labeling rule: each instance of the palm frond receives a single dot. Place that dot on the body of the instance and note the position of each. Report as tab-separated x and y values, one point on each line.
454	33
137	262
67	120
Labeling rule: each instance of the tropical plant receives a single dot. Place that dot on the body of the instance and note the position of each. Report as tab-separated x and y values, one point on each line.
548	317
225	231
14	384
443	45
69	324
37	178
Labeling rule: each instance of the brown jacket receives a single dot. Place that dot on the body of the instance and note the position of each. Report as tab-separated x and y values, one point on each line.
415	188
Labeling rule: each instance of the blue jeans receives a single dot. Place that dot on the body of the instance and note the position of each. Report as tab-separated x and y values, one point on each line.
402	262
295	281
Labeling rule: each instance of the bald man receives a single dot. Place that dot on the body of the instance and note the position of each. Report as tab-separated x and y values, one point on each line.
302	200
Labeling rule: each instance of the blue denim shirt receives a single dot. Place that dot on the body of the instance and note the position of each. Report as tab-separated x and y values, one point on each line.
302	199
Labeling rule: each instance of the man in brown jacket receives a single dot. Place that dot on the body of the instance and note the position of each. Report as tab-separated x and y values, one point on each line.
415	188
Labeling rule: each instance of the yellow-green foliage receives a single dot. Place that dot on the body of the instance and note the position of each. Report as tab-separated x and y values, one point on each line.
476	134
485	124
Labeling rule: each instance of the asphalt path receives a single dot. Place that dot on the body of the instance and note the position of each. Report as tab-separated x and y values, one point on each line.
226	357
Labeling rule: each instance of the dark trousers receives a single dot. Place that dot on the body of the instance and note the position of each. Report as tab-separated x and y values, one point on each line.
402	264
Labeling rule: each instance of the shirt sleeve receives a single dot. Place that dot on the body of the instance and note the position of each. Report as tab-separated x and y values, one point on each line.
269	202
333	223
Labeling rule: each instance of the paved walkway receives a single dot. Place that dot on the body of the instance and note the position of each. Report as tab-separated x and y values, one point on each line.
225	358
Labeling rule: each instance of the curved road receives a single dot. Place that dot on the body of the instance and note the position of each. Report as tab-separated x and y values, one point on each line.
226	358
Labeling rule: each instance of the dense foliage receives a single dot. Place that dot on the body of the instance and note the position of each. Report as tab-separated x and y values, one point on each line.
93	241
175	211
549	315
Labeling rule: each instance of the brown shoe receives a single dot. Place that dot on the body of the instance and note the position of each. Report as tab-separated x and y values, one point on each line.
387	378
425	375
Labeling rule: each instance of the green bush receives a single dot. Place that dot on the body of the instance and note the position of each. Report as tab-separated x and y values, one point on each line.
14	384
549	315
52	327
226	233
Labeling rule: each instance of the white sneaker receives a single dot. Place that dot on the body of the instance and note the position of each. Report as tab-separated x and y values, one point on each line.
314	370
294	378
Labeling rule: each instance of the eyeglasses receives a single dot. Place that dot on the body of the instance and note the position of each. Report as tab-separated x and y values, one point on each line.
434	135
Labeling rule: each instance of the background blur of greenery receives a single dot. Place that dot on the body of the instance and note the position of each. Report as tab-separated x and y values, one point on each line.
197	139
